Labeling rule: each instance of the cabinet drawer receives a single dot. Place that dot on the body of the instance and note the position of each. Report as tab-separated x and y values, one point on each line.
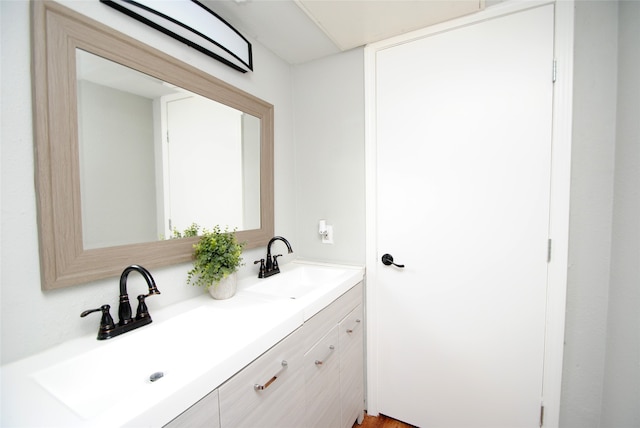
269	392
203	414
322	378
327	318
351	341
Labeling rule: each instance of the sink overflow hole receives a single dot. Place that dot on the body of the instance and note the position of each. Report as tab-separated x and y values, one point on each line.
155	376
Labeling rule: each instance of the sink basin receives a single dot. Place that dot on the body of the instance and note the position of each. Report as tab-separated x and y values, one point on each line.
297	280
309	286
109	383
120	369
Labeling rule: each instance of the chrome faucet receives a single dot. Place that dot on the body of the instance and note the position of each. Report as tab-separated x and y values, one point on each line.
271	266
108	328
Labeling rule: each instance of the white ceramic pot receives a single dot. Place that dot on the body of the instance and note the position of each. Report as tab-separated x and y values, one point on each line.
226	288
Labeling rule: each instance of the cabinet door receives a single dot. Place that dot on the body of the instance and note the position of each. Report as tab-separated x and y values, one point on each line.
352	367
318	325
268	392
203	414
322	379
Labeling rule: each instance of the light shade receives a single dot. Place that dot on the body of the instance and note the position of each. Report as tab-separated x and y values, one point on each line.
194	24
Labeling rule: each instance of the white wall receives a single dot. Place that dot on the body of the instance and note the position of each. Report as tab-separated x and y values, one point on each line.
594	106
116	166
33	320
601	373
621	395
329	134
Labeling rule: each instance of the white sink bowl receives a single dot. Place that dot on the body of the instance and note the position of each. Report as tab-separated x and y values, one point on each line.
206	344
120	368
298	280
309	285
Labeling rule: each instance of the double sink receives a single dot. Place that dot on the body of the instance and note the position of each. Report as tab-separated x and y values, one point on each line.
148	376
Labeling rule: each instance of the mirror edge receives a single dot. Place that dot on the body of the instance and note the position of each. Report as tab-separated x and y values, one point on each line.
63	260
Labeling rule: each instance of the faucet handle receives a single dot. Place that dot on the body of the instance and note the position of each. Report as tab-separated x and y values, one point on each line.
275	262
142	311
106	323
262	268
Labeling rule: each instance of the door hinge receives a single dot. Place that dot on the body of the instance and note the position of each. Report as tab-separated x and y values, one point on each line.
541	416
549	250
555	71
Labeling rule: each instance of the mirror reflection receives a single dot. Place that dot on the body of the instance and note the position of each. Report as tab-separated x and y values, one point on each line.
155	157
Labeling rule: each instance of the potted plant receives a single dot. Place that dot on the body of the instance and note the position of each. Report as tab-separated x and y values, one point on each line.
217	257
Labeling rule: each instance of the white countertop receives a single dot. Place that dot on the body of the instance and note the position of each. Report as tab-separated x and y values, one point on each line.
105	383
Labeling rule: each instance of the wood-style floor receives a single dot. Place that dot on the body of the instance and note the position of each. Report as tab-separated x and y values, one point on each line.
381	421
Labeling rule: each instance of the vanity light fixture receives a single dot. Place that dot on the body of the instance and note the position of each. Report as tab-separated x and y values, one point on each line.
192	23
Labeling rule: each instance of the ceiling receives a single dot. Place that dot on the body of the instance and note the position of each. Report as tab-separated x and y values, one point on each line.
303	30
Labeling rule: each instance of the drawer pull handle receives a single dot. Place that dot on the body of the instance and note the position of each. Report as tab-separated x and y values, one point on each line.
259	387
350	330
321	362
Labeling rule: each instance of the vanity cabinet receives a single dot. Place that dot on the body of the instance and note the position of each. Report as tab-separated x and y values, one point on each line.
351	343
334	363
203	414
312	378
269	392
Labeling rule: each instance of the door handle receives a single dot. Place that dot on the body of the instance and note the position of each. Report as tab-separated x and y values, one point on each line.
387	260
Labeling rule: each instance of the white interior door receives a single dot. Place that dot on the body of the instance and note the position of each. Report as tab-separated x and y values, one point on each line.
463	176
204	174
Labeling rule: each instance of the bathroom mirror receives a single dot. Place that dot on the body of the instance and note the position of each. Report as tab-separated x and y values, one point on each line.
170	156
110	187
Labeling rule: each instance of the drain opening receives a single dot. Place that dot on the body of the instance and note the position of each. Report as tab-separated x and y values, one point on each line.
155	376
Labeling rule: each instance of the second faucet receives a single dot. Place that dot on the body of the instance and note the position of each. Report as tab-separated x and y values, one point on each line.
271	266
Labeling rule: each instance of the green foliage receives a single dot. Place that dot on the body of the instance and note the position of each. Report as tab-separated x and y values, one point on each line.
216	255
188	232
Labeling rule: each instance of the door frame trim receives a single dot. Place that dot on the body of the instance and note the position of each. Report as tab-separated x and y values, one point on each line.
559	203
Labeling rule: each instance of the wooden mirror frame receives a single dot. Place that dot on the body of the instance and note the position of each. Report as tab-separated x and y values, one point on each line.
56	34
